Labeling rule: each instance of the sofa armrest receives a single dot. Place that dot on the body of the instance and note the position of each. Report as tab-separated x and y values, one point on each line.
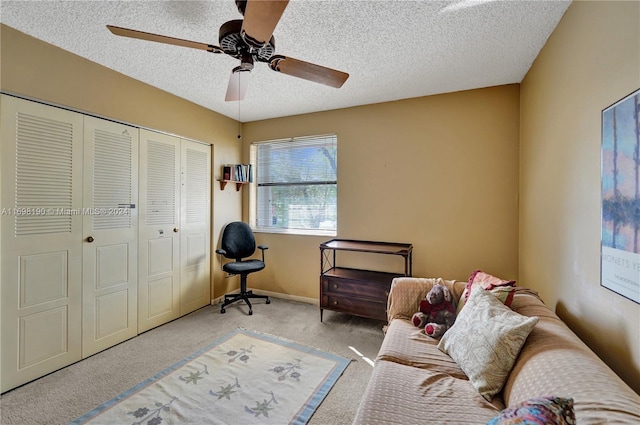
407	292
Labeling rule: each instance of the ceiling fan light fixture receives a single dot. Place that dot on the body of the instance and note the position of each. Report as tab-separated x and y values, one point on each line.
246	62
238	83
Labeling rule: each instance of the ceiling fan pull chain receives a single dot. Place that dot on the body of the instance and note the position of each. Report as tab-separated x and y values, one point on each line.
239	122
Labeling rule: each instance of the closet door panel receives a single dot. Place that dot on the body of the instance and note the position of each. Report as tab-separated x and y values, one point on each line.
105	233
159	277
195	281
40	229
110	225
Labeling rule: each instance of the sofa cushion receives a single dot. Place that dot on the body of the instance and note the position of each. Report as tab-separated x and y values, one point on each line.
400	394
485	340
408	345
538	411
555	361
407	292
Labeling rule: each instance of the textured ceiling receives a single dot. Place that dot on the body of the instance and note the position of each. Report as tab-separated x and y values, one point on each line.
393	49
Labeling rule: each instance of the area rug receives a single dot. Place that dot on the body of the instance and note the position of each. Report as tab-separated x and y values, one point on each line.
242	378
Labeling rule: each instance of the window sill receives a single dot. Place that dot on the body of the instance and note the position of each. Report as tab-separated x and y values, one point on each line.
303	232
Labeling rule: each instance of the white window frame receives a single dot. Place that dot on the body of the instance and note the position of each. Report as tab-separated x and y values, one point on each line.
253	194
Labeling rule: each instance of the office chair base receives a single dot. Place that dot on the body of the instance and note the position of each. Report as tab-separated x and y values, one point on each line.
244	295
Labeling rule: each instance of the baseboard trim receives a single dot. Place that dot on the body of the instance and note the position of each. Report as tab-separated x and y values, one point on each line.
281	295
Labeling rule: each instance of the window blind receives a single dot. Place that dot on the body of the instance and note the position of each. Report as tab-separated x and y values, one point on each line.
296	183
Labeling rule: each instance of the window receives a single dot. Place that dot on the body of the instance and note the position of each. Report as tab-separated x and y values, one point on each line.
296	185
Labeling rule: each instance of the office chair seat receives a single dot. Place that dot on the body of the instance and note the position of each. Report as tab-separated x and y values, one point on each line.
237	243
247	266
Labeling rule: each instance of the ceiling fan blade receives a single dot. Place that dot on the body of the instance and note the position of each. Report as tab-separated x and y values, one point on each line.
238	83
126	32
260	20
308	71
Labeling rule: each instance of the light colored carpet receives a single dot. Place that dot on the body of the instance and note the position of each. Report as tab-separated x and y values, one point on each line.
69	393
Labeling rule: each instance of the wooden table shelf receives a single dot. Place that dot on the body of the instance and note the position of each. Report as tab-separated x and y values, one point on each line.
356	291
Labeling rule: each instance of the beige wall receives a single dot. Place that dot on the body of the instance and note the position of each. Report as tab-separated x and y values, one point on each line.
590	61
419	192
440	172
38	70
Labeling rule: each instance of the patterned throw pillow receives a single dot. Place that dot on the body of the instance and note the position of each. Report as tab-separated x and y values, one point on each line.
503	289
538	411
485	341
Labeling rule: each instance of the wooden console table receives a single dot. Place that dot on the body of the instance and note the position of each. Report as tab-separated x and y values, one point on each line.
355	291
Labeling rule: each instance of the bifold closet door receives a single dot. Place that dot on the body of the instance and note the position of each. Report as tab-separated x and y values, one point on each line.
175	217
159	266
81	269
110	235
195	221
41	233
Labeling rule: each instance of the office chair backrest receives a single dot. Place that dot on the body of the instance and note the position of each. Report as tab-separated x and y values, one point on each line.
238	240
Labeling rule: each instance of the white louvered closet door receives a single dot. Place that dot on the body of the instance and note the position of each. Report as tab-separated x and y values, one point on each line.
110	231
195	218
159	273
41	189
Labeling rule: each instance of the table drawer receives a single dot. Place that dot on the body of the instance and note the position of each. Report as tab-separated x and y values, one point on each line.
371	290
357	306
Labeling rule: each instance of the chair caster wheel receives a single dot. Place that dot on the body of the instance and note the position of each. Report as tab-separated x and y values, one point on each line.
268	301
250	312
222	311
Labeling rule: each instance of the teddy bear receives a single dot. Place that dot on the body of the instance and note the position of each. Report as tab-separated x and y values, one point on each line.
437	311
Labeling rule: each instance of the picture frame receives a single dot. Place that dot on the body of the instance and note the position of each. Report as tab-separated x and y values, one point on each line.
620	196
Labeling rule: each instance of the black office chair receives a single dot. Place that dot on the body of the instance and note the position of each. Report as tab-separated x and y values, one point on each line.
238	243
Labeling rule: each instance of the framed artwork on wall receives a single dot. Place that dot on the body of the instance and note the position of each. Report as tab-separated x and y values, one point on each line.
620	239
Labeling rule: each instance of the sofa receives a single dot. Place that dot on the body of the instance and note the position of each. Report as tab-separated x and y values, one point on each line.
415	382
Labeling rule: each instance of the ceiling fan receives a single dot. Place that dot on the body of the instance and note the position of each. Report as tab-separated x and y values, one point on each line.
250	39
